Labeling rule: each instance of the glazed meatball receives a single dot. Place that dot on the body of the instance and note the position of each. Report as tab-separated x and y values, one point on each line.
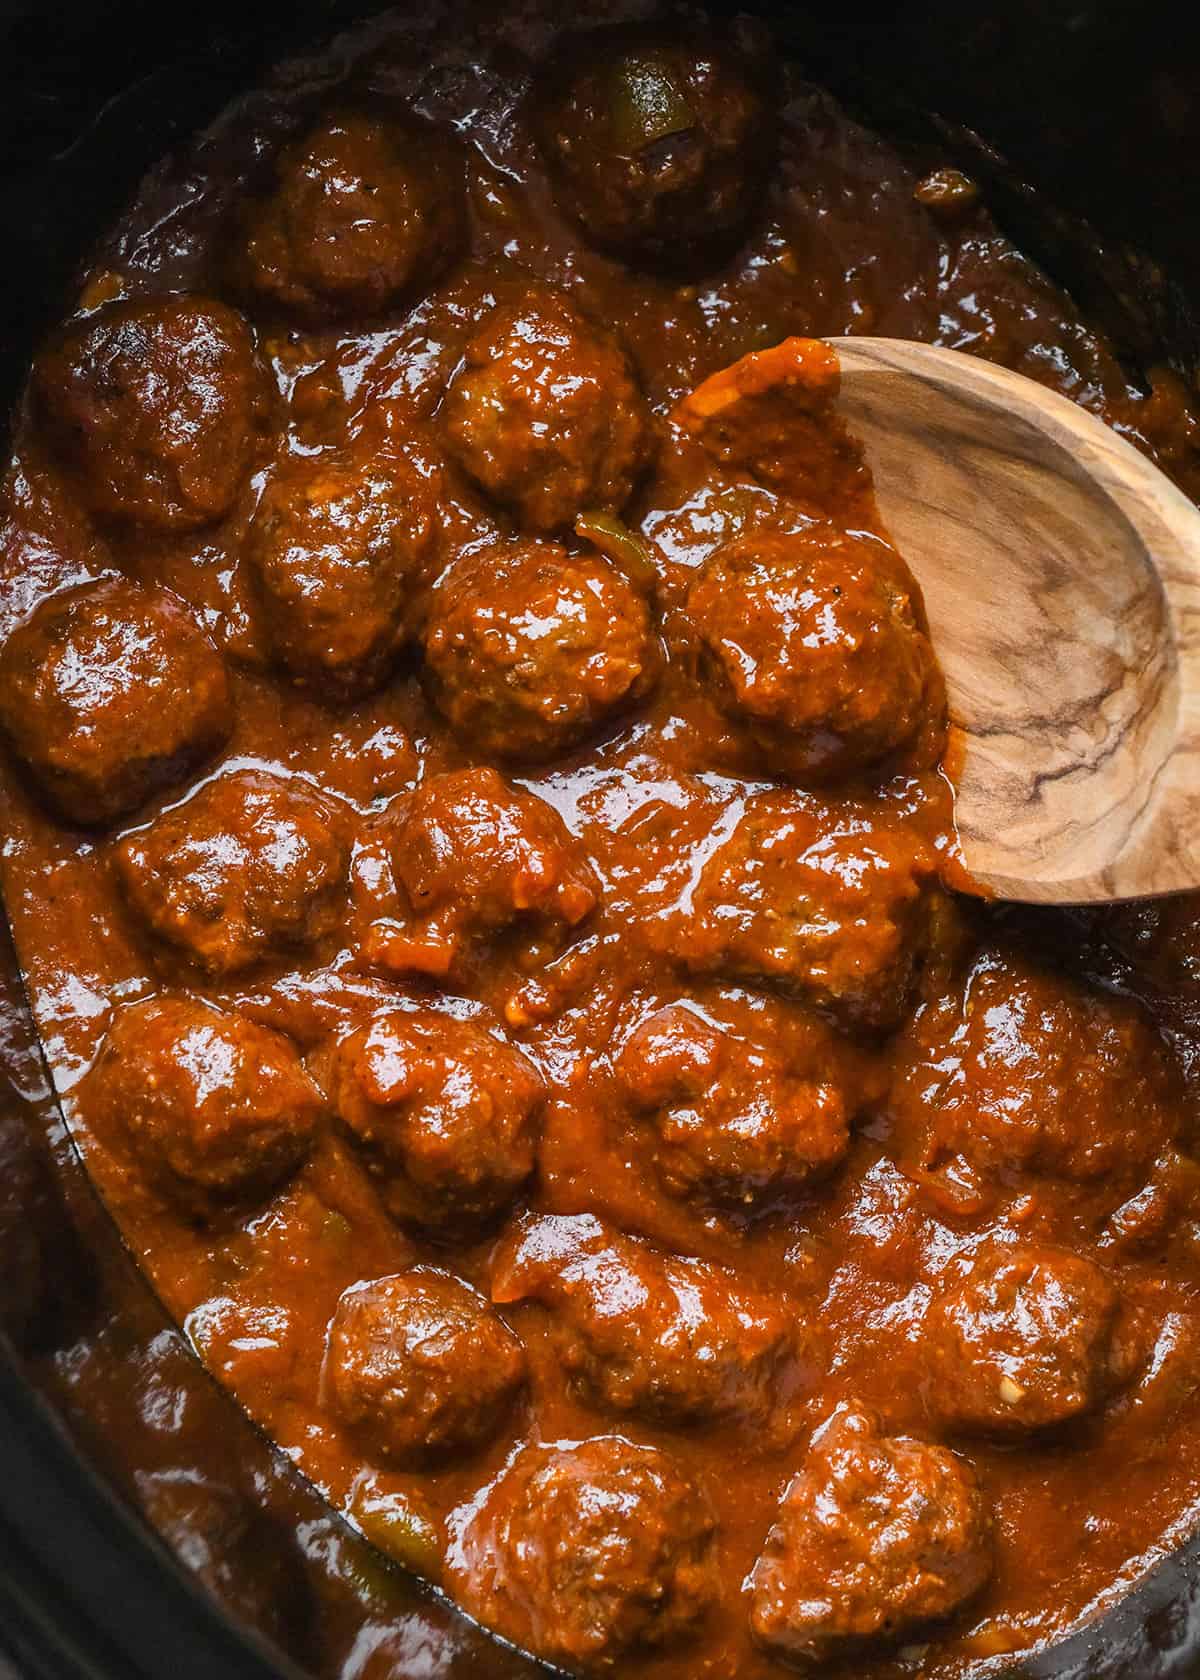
829	904
364	211
876	1536
587	1553
109	694
162	406
734	1122
642	1331
418	1366
815	641
773	415
218	1110
658	146
472	856
251	866
337	549
445	1112
1024	1074
545	414
1028	1340
528	649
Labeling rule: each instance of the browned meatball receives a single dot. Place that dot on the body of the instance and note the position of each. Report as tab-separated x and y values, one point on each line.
110	693
446	1112
735	1122
1025	1074
876	1536
529	648
653	1333
827	903
659	146
418	1366
251	866
815	640
472	856
1028	1340
773	415
365	209
587	1553
217	1109
545	413
162	405
337	549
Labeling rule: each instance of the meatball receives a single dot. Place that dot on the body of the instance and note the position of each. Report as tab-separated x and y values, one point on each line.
251	866
658	146
418	1366
445	1112
586	1553
876	1536
364	210
734	1122
830	904
669	1338
1025	1074
161	404
545	414
773	415
1028	1340
529	648
471	857
815	641
337	549
218	1110
109	694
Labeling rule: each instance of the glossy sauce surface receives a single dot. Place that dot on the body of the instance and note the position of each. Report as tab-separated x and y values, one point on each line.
747	1189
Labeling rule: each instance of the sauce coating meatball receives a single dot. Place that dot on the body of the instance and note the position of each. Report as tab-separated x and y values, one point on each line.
446	1113
826	903
110	693
250	866
815	641
1025	1074
734	1122
587	1553
337	549
671	1338
1028	1340
364	209
217	1109
161	404
658	145
418	1366
545	414
876	1536
529	648
472	856
773	415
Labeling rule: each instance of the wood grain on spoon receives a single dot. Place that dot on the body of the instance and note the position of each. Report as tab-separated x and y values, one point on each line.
1061	572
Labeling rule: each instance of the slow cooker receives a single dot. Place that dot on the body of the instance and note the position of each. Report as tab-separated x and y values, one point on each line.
1083	120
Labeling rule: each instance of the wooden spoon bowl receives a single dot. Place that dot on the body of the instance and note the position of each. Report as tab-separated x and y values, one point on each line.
1061	573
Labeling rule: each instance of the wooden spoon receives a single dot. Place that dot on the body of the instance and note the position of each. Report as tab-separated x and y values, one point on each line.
1061	572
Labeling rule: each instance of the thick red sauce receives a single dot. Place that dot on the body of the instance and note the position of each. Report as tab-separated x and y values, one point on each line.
973	1092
